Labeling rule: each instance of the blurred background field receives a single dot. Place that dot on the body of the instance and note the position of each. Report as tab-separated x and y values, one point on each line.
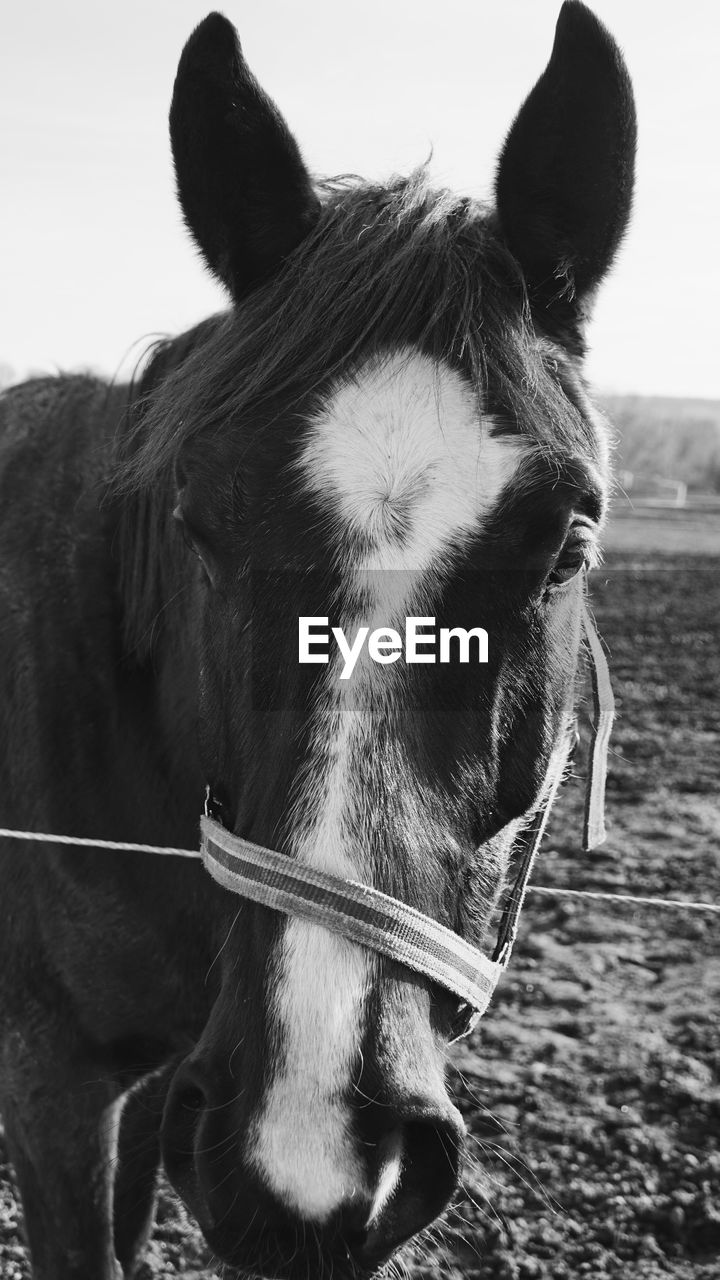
640	530
667	465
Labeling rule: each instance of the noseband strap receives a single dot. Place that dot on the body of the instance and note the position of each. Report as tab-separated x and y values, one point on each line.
383	924
355	910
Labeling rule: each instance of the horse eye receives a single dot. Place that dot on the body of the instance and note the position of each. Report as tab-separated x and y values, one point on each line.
184	531
574	557
189	541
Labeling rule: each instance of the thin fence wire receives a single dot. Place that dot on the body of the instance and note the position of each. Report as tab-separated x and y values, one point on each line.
635	899
43	837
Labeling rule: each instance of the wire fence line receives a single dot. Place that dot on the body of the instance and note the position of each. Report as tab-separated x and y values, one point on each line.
43	837
625	897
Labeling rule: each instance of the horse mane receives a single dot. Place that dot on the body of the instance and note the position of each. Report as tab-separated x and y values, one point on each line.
387	266
145	545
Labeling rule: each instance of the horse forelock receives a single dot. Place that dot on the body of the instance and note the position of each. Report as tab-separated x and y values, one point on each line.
388	268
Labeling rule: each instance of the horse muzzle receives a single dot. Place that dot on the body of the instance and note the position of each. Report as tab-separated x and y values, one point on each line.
407	1153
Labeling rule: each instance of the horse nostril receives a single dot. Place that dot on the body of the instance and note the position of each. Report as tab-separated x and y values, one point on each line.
184	1108
431	1164
354	1227
417	1177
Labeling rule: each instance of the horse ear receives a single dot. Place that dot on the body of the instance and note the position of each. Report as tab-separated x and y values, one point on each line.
565	177
245	193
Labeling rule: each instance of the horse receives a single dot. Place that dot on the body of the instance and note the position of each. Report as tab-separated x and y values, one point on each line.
389	421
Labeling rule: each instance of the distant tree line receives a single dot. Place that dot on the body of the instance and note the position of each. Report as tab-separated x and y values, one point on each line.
673	438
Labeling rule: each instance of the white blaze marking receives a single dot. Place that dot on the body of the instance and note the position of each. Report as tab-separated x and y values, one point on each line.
402	458
302	1146
406	469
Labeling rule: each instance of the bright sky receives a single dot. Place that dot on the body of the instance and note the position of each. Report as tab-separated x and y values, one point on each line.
93	255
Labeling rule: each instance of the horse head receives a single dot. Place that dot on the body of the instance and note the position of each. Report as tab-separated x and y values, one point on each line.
390	422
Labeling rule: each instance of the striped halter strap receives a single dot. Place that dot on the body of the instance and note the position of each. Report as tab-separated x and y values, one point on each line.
373	919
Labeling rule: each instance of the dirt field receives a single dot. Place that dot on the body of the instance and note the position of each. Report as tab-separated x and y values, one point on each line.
591	1090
